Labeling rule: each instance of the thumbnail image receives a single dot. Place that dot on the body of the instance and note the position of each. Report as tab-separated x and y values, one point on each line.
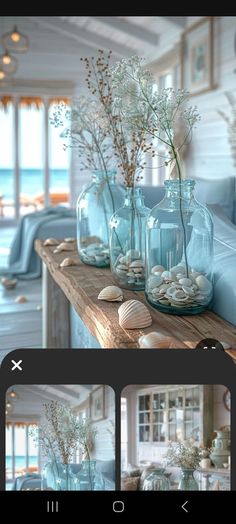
175	437
60	438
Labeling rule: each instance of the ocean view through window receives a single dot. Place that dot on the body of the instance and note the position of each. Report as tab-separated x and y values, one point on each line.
34	167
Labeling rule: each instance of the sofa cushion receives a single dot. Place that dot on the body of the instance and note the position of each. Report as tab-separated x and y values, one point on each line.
217	191
224	265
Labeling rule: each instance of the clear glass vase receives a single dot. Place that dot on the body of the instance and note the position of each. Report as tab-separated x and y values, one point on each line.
89	478
95	206
179	252
58	476
127	241
156	481
188	482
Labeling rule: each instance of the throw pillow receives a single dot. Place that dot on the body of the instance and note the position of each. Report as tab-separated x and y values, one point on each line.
130	484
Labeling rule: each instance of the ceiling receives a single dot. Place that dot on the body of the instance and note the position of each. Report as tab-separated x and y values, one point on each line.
30	398
57	43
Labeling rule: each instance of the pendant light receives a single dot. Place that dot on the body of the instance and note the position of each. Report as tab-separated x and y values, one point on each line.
8	64
2	74
15	41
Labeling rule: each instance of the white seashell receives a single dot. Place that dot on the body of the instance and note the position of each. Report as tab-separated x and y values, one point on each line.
132	253
178	270
123	260
121	272
68	262
154	281
134	315
179	276
21	299
137	263
111	294
188	291
170	290
194	275
158	274
203	284
50	242
157	269
178	295
64	246
167	275
137	270
156	340
185	281
69	239
123	267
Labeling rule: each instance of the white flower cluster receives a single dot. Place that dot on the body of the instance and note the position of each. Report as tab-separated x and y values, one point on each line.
184	455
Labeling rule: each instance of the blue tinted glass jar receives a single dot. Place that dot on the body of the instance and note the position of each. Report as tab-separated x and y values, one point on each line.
127	241
89	478
95	206
58	476
188	482
179	252
157	481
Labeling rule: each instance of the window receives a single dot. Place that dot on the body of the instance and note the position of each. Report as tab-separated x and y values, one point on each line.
159	170
34	168
22	452
124	434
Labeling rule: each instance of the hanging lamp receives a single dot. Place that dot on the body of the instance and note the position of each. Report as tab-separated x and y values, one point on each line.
15	41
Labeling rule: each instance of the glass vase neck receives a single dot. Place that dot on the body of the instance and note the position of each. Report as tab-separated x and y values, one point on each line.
99	176
179	187
134	196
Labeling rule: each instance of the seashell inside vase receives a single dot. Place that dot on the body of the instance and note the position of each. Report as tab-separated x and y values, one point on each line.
111	294
50	242
157	340
68	262
184	292
134	315
64	246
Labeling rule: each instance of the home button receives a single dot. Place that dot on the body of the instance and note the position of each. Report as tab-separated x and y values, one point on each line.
118	506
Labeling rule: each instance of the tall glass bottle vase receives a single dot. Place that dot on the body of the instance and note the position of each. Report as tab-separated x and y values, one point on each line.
127	241
58	476
95	206
179	252
89	478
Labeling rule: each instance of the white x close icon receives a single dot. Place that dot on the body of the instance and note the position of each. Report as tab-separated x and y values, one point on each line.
16	365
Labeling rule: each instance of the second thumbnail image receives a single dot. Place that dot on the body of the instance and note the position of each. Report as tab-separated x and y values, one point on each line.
175	437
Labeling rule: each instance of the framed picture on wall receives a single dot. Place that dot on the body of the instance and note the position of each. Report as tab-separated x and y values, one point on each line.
197	60
97	403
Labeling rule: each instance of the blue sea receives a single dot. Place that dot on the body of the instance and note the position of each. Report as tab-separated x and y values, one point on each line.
20	461
31	181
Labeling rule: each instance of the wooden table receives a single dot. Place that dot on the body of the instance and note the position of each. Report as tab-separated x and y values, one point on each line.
80	286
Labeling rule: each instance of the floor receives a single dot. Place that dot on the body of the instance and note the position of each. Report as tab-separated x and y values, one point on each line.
20	324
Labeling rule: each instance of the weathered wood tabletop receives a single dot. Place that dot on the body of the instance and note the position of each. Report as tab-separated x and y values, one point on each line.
81	285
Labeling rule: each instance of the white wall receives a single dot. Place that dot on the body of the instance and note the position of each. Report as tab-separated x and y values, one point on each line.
210	155
104	448
221	416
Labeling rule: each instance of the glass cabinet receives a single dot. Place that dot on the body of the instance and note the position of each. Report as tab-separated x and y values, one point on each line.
174	413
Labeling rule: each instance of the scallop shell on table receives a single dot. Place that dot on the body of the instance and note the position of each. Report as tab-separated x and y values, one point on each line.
50	242
64	246
68	262
134	315
156	340
111	294
21	299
